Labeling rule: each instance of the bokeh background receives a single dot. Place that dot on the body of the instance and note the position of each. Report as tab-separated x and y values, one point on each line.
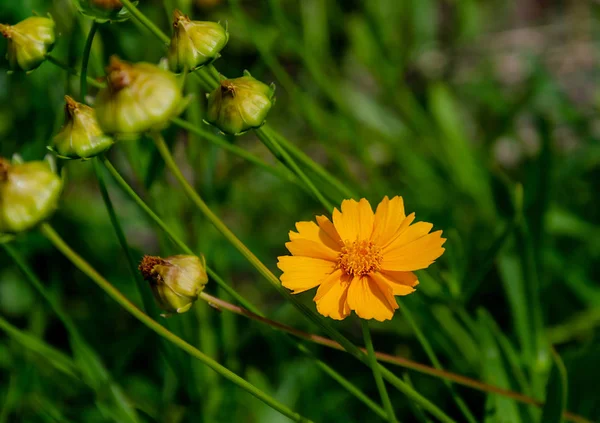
481	114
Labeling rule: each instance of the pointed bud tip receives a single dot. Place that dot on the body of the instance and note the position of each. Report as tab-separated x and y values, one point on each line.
147	265
4	168
179	16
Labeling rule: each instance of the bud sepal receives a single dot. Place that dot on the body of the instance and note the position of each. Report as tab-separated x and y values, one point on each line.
104	10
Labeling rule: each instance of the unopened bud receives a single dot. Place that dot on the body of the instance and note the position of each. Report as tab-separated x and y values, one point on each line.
29	194
139	97
240	104
28	42
176	281
194	43
80	136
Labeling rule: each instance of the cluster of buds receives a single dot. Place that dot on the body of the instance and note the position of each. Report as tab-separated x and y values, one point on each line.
103	10
139	97
240	104
29	194
194	43
175	281
28	42
80	136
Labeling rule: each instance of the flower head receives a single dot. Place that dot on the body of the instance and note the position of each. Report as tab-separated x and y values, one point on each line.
28	42
80	137
361	260
194	43
240	104
29	194
139	97
175	281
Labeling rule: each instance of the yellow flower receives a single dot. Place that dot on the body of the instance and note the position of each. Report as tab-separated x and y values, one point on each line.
361	260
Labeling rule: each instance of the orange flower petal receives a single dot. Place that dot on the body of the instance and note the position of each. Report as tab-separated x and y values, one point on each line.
355	222
303	273
388	218
371	300
414	255
401	282
331	296
306	248
326	225
404	225
312	232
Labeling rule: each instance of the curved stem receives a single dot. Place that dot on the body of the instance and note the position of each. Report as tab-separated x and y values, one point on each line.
272	143
385	398
58	63
217	140
145	21
85	267
85	60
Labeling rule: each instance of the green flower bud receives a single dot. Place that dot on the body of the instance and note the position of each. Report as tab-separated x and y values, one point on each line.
80	136
240	104
139	97
28	42
175	281
29	194
103	10
194	43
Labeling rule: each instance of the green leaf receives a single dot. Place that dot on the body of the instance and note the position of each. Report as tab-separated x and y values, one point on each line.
556	392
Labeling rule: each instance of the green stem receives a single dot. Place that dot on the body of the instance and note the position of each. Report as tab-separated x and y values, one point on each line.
267	274
116	295
114	220
314	166
270	141
85	60
217	140
72	71
436	363
146	22
385	398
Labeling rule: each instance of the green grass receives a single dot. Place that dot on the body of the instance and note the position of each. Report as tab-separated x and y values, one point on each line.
447	104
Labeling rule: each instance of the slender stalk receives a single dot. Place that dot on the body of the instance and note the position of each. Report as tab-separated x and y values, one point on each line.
217	140
116	295
72	71
436	363
385	398
85	60
146	22
268	139
213	300
267	274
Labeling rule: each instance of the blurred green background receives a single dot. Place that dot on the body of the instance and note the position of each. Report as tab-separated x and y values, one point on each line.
481	114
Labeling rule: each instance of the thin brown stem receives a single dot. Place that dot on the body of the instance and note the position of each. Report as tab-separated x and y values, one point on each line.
388	358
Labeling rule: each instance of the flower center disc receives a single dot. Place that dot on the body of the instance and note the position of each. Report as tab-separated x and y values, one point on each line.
359	258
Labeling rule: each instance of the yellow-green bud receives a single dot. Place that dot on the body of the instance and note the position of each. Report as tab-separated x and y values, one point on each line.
240	104
176	281
103	10
80	136
194	43
29	194
28	42
139	97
